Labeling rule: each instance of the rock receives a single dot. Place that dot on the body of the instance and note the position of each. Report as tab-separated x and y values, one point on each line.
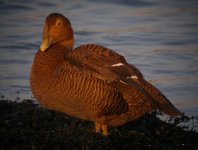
27	125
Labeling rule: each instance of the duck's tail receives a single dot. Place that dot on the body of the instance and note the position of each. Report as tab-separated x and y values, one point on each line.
161	101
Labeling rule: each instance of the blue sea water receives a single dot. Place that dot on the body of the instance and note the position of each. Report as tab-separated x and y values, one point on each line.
159	37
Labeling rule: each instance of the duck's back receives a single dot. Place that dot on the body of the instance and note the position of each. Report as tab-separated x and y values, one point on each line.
109	63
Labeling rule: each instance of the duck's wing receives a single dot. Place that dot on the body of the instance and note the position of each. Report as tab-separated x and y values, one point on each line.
111	67
108	65
107	62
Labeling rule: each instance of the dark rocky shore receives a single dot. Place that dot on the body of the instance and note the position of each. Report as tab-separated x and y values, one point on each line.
27	125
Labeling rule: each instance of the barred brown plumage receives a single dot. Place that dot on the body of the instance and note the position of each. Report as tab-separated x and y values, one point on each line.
90	82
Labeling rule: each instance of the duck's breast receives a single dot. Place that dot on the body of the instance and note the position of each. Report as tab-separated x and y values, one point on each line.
76	92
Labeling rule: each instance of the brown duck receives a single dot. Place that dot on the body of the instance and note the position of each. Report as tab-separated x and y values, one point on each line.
90	82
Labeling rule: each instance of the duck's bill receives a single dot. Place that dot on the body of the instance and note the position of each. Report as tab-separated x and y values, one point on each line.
45	44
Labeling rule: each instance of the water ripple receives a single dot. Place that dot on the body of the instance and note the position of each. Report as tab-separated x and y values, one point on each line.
159	37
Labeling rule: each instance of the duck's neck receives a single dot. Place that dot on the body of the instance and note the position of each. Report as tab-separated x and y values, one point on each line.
68	44
55	53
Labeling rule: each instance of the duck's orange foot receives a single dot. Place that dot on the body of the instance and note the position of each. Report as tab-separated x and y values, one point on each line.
101	128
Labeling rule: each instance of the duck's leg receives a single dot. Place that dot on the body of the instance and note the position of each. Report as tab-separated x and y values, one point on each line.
104	130
97	127
101	128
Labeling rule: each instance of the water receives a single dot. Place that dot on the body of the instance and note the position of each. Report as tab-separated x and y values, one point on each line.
159	37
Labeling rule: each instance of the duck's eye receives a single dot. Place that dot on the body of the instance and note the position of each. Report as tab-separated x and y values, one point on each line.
58	23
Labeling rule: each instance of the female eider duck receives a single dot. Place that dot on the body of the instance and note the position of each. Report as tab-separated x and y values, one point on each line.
90	82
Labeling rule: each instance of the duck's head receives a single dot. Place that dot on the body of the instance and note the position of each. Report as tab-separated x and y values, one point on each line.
57	29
